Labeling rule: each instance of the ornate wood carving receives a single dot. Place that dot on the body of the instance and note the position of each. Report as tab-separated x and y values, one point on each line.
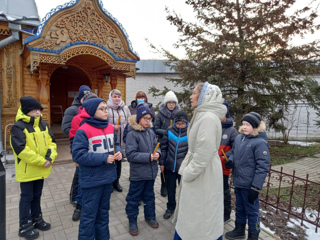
113	81
42	85
9	82
84	24
5	32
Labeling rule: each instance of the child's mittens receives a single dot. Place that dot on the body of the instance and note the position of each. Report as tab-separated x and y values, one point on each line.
228	164
253	195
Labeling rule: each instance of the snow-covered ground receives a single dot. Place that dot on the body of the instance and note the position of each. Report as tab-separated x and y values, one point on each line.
302	143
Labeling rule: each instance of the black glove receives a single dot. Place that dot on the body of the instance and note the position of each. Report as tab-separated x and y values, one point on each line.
253	195
228	164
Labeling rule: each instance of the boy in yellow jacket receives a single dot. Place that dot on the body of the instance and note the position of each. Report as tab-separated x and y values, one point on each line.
34	150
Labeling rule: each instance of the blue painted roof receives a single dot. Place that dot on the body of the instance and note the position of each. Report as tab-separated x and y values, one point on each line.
21	12
70	4
153	66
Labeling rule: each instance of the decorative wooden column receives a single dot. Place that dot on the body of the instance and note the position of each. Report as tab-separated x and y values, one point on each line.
43	81
113	81
42	84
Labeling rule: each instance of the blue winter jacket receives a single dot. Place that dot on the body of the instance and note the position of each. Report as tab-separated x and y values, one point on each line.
174	148
140	144
251	158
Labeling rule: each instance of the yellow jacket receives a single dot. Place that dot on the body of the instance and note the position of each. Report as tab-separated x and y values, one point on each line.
33	143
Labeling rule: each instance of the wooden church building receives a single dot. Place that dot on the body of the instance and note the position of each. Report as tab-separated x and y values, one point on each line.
77	43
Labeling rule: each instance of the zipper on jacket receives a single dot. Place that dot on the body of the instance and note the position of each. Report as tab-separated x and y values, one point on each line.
175	154
25	170
44	139
35	141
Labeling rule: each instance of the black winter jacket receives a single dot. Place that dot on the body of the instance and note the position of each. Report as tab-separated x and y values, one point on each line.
174	147
163	119
140	144
68	115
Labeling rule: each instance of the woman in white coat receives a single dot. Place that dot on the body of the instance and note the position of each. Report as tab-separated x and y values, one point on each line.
199	214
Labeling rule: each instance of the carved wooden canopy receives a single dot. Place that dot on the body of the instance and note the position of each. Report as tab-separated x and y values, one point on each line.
82	27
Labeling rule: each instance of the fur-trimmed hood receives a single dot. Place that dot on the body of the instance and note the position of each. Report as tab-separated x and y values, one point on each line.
256	131
135	125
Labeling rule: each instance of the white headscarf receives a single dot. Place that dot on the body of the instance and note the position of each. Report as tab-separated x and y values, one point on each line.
209	93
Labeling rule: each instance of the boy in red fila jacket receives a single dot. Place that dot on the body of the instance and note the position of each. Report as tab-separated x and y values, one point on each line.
95	148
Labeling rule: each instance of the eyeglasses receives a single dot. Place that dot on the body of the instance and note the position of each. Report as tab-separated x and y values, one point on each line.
147	119
36	110
181	124
103	109
172	103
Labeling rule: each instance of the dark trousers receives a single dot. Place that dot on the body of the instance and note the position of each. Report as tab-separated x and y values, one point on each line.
246	210
141	190
171	180
227	197
163	183
74	185
94	221
118	163
30	197
79	195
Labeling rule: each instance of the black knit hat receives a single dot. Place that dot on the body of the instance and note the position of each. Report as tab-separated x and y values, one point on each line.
142	110
84	89
181	116
253	118
92	104
29	103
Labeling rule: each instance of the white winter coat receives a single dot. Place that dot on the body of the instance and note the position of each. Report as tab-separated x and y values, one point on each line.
199	212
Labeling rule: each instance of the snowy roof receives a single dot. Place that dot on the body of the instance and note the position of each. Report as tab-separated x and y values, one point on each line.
17	11
153	66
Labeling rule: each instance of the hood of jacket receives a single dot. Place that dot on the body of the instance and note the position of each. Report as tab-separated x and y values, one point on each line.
136	126
21	116
76	102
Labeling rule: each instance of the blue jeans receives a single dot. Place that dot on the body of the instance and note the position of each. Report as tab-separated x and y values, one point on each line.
141	190
177	237
30	197
246	210
94	221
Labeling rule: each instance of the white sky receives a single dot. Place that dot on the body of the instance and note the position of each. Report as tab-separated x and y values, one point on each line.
147	19
141	19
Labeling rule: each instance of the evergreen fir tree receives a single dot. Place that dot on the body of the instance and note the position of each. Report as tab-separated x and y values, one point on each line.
243	46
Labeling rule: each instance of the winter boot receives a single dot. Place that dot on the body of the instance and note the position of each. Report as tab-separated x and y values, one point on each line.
27	230
133	227
167	214
152	223
77	213
41	224
253	236
239	232
164	192
117	186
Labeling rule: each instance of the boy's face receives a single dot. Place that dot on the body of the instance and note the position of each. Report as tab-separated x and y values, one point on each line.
145	120
171	105
247	128
181	124
34	113
102	111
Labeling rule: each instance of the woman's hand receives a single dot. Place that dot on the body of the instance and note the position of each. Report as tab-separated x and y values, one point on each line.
162	168
117	127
